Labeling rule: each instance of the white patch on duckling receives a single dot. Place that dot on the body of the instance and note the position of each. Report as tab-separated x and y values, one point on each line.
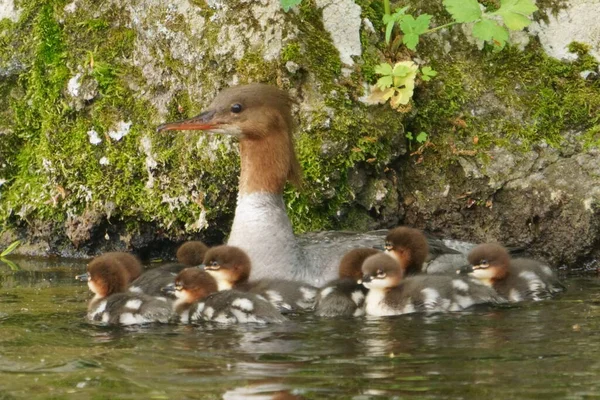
98	310
327	291
462	302
375	306
547	270
431	298
132	319
308	293
459	284
359	312
514	296
105	317
243	304
184	317
136	289
209	312
133	304
358	297
409	307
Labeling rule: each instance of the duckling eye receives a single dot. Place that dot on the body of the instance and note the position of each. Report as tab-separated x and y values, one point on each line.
236	108
484	263
178	286
213	263
388	246
380	274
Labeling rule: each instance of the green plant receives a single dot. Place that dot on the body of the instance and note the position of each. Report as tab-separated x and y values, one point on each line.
10	248
421	138
287	4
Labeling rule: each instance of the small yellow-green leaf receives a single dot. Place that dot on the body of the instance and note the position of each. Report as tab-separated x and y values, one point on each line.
288	4
384	82
421	137
10	248
516	13
383	69
378	96
401	70
490	31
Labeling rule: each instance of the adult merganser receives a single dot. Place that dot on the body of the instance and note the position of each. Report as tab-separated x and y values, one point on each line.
392	294
231	267
345	297
515	279
260	117
113	305
199	300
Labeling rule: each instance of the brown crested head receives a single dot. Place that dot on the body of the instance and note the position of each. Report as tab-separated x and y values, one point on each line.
381	271
229	265
129	262
260	116
409	247
193	284
351	263
191	253
489	261
106	276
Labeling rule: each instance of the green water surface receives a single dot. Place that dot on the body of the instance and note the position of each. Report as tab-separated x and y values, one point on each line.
548	350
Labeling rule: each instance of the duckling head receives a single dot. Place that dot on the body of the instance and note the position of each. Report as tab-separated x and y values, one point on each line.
381	271
489	262
191	253
190	285
105	277
351	263
229	265
409	247
260	117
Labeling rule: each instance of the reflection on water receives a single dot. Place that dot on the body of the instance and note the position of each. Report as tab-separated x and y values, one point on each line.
541	350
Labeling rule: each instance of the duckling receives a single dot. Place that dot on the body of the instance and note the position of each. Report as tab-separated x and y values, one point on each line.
515	279
112	305
198	299
128	262
191	253
151	282
390	294
345	297
409	247
231	267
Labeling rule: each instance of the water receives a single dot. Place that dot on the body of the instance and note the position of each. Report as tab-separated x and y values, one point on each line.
47	350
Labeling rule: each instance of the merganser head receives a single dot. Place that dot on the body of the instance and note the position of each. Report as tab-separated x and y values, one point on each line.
192	253
229	265
381	271
351	263
191	284
105	277
489	262
128	262
260	116
409	247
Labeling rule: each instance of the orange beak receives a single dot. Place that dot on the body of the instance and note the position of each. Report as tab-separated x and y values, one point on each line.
201	122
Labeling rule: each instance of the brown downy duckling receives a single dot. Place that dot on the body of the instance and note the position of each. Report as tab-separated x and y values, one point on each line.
128	262
231	267
516	279
392	294
198	299
191	253
113	305
345	297
409	247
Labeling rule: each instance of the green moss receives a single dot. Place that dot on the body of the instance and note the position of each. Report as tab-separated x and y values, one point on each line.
252	65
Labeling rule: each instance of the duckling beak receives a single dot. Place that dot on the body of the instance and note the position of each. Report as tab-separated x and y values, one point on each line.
83	277
201	122
169	289
465	269
366	279
380	248
202	267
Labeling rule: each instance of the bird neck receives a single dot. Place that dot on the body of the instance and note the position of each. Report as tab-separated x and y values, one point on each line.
266	163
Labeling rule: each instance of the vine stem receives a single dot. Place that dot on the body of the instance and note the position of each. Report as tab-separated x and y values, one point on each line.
386	7
437	28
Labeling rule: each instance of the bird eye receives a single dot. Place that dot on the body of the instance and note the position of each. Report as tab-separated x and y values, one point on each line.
380	274
484	263
178	286
236	108
388	246
213	263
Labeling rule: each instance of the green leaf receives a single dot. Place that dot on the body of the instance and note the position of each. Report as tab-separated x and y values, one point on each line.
409	136
490	31
383	69
10	248
388	31
11	264
421	137
401	70
384	82
516	13
288	4
412	28
428	71
463	10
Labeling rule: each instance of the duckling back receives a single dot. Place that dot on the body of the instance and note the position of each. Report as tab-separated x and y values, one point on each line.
130	309
529	280
233	306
